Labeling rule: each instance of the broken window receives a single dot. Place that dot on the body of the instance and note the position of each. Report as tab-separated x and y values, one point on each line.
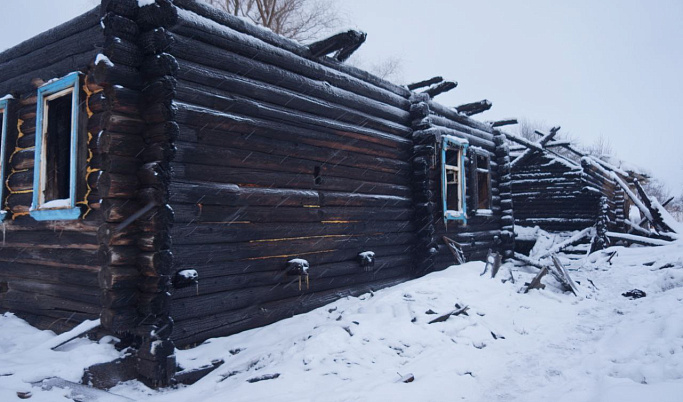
57	121
453	177
481	181
3	147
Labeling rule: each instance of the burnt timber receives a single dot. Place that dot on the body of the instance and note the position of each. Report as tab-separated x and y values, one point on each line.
226	178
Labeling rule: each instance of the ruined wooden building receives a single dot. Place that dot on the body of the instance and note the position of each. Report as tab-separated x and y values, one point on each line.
181	174
557	187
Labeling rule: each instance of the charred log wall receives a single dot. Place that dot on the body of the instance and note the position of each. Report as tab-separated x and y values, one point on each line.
48	270
483	230
279	156
553	195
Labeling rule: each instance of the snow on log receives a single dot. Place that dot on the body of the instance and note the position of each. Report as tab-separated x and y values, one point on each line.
569	242
344	44
637	239
440	88
470	109
425	83
504	122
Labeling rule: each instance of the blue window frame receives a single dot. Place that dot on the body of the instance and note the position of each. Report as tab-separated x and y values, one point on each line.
453	152
56	151
3	147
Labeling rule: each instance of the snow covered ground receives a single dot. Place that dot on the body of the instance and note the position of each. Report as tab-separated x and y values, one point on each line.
540	346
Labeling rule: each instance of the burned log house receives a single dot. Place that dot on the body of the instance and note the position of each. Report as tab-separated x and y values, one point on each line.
557	187
147	148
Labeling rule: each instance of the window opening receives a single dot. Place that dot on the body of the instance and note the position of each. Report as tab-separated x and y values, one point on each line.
57	122
453	177
3	147
483	178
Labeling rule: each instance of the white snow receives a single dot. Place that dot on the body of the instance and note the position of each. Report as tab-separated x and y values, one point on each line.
103	59
142	3
188	274
56	204
7	97
541	346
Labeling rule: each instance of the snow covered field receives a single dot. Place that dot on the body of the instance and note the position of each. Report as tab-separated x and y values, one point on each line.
541	346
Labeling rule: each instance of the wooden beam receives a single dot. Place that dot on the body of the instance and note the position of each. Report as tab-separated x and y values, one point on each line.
440	88
344	44
540	144
505	122
470	109
425	83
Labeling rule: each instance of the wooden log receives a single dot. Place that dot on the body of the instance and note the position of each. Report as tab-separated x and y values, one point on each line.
262	178
276	40
210	213
634	239
107	75
440	88
259	249
115	25
122	52
159	65
77	293
118	255
225	323
310	148
119	320
338	43
156	41
159	89
37	303
210	287
155	263
115	122
237	232
113	185
246	159
36	272
116	99
188	308
275	263
470	109
114	143
425	83
215	40
536	282
504	122
126	8
233	84
199	95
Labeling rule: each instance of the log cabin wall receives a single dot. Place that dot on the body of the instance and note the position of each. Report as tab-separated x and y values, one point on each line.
554	194
280	156
48	269
617	207
482	231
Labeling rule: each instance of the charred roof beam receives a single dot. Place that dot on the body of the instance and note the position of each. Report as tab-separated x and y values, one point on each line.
344	44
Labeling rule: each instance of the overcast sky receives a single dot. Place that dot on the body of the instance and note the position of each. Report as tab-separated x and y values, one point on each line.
609	68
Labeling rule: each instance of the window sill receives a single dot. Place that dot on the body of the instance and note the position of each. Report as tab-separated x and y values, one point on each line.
3	215
56	214
455	216
484	212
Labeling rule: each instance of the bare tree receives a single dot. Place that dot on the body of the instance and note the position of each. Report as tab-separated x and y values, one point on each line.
601	148
301	20
390	69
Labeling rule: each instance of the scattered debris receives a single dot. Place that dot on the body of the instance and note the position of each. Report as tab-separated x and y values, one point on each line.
457	311
264	377
406	378
24	395
634	294
562	275
456	250
430	311
191	376
78	392
536	282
